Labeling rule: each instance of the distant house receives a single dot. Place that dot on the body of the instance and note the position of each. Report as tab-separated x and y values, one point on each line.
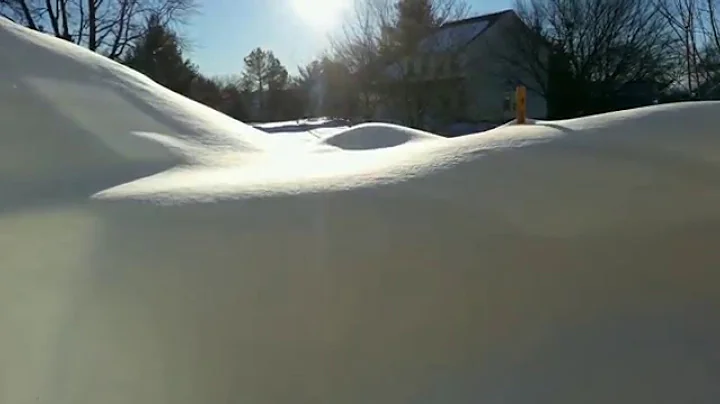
463	74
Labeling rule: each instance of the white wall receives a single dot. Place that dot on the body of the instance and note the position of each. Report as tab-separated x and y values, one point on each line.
490	76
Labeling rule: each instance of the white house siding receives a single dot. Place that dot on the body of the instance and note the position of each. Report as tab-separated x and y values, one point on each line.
487	78
490	77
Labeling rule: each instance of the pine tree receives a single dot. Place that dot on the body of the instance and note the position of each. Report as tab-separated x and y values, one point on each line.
264	79
415	20
256	68
278	76
158	55
263	71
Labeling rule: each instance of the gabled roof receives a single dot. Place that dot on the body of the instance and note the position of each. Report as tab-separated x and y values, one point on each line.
456	34
452	37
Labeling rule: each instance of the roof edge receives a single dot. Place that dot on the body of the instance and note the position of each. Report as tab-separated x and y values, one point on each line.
469	20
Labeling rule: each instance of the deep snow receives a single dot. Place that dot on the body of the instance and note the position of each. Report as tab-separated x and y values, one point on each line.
155	251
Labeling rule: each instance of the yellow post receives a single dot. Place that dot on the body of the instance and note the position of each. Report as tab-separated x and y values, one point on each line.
520	112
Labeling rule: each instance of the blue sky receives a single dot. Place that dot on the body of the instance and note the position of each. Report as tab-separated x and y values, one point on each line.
227	30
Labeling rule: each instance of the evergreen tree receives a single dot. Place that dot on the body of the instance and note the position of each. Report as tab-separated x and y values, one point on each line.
311	84
158	55
263	71
265	80
256	68
311	73
277	77
414	21
413	101
341	100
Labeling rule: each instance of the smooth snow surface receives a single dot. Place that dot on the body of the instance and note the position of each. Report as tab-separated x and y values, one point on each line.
154	251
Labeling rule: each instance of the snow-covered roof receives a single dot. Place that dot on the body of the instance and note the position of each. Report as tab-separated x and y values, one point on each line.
451	36
456	34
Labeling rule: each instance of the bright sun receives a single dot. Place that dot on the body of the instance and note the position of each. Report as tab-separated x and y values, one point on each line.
320	14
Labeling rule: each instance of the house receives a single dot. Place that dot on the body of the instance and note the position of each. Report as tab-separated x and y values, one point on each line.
466	71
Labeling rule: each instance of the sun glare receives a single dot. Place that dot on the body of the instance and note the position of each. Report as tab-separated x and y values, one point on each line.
320	14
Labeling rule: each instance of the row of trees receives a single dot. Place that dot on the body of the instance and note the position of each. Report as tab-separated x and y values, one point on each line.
158	53
264	91
584	56
105	26
611	54
143	34
369	53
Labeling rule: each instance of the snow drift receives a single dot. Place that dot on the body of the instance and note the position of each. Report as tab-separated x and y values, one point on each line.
155	251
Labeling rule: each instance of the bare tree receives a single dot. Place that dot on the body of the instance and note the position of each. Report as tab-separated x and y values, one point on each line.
685	22
600	46
104	26
17	11
710	60
357	47
696	26
711	7
525	58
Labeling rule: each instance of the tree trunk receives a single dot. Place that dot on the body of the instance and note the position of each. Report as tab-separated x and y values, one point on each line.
92	25
687	62
63	11
53	17
30	21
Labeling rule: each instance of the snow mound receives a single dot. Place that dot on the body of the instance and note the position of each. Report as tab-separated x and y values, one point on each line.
81	111
155	251
377	136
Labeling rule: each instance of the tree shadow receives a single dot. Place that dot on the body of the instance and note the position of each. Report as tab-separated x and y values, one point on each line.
556	127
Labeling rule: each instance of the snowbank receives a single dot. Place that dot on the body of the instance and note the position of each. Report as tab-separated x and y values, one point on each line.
155	251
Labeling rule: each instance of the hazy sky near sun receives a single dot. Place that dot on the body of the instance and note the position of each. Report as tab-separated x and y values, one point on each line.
295	30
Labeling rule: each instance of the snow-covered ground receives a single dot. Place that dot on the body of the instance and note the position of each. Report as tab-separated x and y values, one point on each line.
155	251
